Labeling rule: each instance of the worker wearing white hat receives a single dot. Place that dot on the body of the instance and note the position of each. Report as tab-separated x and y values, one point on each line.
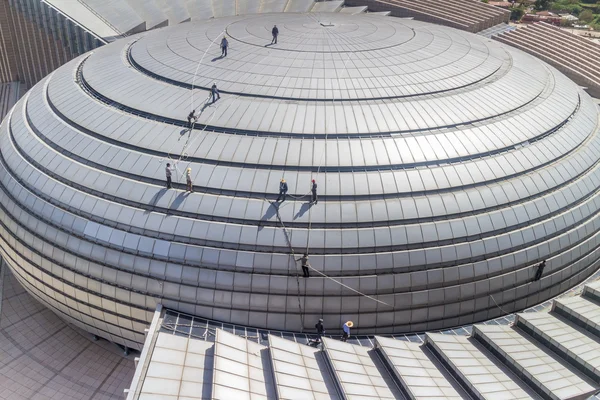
346	327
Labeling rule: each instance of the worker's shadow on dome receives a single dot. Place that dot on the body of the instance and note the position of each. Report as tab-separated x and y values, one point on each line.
157	197
305	207
270	213
178	200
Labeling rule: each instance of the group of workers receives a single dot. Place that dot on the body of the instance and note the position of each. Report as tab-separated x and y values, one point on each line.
225	42
283	189
345	329
224	46
283	186
188	178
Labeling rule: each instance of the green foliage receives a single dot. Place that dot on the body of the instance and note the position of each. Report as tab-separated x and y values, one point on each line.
586	16
574	9
588	11
516	13
542	4
566	23
594	7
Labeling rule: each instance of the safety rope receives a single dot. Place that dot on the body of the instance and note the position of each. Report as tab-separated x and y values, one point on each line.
200	63
297	275
325	140
287	238
183	156
286	234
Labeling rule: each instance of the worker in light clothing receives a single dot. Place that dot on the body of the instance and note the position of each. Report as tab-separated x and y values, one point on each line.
188	180
304	260
346	327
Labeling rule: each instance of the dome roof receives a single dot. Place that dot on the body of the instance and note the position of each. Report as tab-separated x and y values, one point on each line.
448	166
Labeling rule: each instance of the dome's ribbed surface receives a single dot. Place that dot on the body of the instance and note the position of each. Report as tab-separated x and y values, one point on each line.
448	166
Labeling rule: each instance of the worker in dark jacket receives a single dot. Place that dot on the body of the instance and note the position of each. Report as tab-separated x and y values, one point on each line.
320	329
169	173
191	118
283	188
215	93
304	260
275	33
224	46
540	270
313	190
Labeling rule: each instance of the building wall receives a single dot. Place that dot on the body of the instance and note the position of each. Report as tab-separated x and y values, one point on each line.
8	55
36	39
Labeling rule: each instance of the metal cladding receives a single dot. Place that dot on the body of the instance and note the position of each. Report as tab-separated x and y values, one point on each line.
448	167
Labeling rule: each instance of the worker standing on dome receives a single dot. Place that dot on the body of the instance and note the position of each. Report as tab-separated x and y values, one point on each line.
540	271
320	329
188	180
224	45
304	260
346	328
168	173
275	33
283	188
313	190
191	118
215	93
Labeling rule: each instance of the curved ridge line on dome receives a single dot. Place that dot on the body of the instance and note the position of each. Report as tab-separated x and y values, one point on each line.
323	51
265	224
112	267
426	29
208	320
492	117
107	101
211	323
301	225
582	200
188	86
197	67
95	94
470	260
527	283
445	35
273	224
171	121
165	279
209	190
449	38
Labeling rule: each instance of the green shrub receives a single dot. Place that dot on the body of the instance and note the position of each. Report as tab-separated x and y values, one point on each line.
586	16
